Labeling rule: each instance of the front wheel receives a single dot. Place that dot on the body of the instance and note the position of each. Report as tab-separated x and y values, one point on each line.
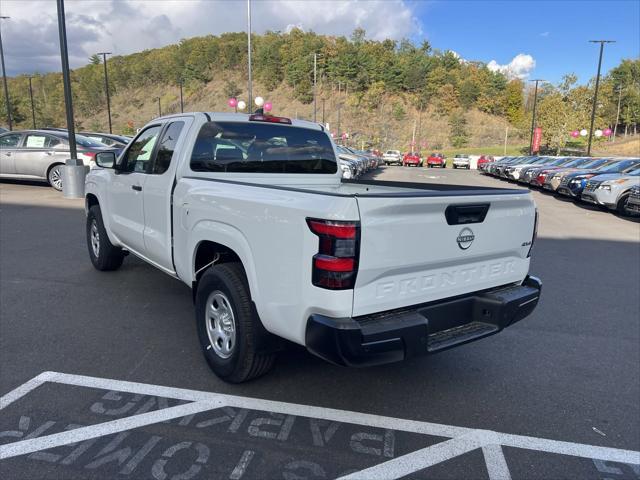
230	332
620	205
103	254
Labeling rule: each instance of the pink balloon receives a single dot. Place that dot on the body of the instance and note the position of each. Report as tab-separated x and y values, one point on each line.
233	102
575	134
267	106
607	132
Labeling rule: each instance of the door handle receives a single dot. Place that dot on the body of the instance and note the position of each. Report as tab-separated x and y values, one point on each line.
49	153
8	154
137	188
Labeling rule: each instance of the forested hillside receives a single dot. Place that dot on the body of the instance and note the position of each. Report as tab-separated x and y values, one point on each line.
378	92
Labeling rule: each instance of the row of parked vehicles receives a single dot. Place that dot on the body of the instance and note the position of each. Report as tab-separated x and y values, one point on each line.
40	154
611	183
355	163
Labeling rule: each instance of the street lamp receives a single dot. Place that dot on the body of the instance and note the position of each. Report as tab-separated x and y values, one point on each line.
106	85
533	117
74	171
595	95
33	109
4	77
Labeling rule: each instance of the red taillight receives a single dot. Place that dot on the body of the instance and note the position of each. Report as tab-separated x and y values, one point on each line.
89	154
269	118
336	264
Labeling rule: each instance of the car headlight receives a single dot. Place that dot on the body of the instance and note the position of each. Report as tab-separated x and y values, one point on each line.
604	187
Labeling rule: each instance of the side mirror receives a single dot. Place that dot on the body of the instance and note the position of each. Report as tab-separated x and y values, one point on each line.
106	159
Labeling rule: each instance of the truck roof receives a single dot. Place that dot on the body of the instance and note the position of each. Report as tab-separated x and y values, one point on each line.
244	117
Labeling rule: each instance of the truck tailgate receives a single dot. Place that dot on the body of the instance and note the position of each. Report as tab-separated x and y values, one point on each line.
411	254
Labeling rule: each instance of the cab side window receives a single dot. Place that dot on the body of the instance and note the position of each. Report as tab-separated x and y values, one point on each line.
138	156
166	147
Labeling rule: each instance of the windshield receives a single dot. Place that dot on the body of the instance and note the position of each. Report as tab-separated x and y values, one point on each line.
595	163
257	147
618	166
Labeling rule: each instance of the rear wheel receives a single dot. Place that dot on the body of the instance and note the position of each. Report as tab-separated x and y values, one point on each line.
54	177
103	254
229	329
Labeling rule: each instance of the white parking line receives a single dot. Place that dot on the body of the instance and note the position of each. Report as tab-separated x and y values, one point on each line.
462	440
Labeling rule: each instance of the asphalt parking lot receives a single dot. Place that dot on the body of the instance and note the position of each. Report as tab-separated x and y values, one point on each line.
102	375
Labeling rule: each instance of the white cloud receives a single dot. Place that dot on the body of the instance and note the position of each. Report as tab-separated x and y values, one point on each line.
126	26
520	67
545	34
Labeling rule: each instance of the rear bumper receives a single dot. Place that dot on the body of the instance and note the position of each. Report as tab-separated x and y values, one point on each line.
424	329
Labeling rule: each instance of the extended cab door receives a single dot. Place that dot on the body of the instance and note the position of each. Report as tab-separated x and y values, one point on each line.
125	192
157	193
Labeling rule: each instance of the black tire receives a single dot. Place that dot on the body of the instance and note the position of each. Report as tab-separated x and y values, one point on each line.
454	166
107	256
54	176
247	359
620	205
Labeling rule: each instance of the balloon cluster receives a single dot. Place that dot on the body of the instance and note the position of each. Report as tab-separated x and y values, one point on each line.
598	133
241	105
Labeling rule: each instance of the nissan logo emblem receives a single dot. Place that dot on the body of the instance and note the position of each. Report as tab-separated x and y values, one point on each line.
465	238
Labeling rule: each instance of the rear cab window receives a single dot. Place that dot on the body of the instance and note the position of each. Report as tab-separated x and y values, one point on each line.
256	147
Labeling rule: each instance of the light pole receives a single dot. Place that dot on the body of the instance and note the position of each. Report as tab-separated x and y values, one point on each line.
533	117
33	109
181	101
4	78
74	171
315	83
323	123
250	102
595	95
106	85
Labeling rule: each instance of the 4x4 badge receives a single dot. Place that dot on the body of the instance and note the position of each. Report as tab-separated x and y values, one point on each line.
465	238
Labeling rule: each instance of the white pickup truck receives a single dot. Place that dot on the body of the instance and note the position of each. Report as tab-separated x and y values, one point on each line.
251	212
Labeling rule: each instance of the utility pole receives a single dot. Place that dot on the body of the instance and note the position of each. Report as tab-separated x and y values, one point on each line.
106	86
33	109
250	102
615	127
413	136
533	117
74	172
181	101
595	95
315	69
323	111
4	77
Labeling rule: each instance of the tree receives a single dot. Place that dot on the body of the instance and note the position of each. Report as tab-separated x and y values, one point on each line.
554	118
514	102
458	134
95	59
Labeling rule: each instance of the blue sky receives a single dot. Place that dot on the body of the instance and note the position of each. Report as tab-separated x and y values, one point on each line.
552	35
555	34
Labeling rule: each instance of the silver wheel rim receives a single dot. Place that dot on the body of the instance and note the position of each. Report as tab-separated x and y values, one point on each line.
221	324
55	178
95	238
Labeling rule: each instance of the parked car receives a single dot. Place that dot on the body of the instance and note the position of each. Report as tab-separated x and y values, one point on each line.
611	190
40	154
3	130
250	212
514	172
436	160
411	159
461	161
484	160
540	174
573	184
109	139
490	167
633	201
392	157
553	179
529	174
